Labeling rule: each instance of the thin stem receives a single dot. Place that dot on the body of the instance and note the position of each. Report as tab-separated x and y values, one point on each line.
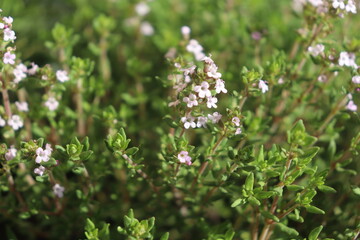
14	190
331	115
140	172
255	225
81	128
206	163
265	231
6	98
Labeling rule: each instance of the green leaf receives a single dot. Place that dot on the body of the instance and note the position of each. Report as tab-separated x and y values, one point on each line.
308	155
356	190
253	201
237	202
294	187
315	233
132	151
287	229
229	235
313	209
268	215
165	236
326	189
264	194
249	183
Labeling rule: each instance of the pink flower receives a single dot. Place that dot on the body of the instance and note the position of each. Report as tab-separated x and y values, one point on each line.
184	157
351	106
263	86
201	122
191	100
9	58
189	122
40	170
58	190
203	89
211	102
220	86
10	154
236	121
215	117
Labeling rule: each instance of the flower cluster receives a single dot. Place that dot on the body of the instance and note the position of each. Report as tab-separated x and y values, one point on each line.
8	36
20	71
15	122
323	6
202	94
42	155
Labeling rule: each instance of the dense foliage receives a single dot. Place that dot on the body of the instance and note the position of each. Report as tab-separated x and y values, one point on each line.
181	119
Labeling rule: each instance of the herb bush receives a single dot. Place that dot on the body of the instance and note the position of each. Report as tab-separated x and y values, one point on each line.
179	119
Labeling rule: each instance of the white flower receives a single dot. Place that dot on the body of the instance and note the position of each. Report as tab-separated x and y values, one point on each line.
236	121
316	50
19	72
347	59
185	31
58	190
189	70
211	71
191	100
40	170
201	122
9	35
263	86
208	60
146	29
322	78
189	122
356	79
8	20
281	81
350	7
220	86
215	117
2	26
22	106
316	3
62	75
2	122
199	56
351	106
142	9
194	46
338	4
10	154
52	104
9	58
238	131
203	89
15	122
184	157
43	155
33	69
211	102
